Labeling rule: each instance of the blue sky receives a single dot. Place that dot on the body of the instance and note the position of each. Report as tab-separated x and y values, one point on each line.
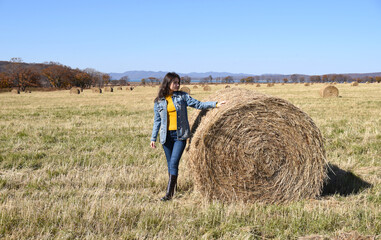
241	36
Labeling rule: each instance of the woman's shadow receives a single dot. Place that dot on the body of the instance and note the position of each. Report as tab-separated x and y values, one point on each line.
343	182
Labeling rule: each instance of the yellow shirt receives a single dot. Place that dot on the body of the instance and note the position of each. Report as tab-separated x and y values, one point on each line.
172	115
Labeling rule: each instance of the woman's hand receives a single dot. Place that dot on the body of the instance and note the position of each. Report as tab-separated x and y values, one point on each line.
219	104
153	145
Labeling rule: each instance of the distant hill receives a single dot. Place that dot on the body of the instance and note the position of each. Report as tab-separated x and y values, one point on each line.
137	75
134	75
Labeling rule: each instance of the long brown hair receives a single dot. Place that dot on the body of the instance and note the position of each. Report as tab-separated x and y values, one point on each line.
164	87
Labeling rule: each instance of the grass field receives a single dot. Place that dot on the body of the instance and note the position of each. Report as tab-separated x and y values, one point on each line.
80	167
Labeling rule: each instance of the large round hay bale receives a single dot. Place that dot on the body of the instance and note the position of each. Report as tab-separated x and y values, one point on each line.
185	89
75	90
109	89
97	90
255	148
15	91
329	91
354	84
207	88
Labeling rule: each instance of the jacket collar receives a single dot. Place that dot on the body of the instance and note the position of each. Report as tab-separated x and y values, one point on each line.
176	93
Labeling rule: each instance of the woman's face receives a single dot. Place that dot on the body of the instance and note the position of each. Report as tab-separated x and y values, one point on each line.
175	85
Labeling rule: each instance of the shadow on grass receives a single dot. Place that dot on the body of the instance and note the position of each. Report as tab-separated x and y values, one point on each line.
343	182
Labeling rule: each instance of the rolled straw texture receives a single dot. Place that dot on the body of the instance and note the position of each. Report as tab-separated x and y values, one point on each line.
186	89
75	90
329	91
109	89
97	90
207	88
256	148
16	91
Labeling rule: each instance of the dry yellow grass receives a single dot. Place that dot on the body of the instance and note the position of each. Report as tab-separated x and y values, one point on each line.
80	167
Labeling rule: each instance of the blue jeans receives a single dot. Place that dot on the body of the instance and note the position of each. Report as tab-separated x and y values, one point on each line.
173	149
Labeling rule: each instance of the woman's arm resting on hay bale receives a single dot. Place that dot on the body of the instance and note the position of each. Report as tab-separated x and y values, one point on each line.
191	102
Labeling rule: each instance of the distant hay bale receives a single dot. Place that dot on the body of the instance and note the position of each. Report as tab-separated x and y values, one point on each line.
269	85
109	89
75	90
306	84
207	88
119	88
195	87
15	91
256	148
97	90
258	85
130	88
227	86
354	84
186	89
329	91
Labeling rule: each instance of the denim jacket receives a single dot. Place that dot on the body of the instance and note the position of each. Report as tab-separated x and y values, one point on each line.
181	100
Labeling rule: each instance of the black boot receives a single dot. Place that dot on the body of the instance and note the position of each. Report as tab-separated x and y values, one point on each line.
170	188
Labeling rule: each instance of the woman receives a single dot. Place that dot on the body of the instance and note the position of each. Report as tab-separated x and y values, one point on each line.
171	115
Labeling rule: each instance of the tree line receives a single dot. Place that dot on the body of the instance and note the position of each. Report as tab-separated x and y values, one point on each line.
326	78
17	74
